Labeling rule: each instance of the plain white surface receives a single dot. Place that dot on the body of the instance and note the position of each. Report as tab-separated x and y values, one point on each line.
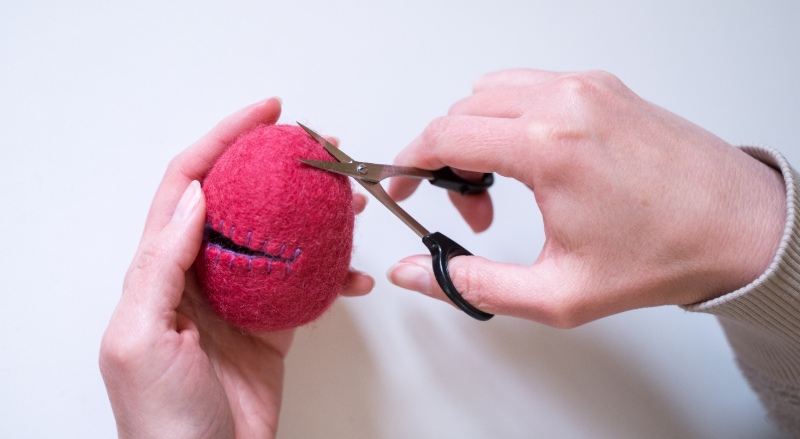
96	97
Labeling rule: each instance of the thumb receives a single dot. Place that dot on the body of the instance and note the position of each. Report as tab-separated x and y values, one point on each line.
157	275
493	287
186	226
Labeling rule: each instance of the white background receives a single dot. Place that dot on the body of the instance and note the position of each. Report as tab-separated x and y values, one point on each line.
97	96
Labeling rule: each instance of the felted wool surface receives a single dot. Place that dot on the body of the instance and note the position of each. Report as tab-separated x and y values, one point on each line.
279	233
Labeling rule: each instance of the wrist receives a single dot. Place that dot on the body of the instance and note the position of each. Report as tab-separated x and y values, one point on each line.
752	231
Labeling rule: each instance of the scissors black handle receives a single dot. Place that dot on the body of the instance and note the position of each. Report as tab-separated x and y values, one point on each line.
442	249
446	178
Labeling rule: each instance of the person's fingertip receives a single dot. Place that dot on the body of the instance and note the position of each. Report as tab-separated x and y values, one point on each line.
393	191
476	209
411	277
478	227
270	110
359	202
401	188
364	283
188	202
358	284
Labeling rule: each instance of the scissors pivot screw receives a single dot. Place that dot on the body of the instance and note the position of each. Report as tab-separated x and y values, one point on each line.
362	169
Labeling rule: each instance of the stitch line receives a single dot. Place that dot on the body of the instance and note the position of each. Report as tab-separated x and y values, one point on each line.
269	258
291	260
216	239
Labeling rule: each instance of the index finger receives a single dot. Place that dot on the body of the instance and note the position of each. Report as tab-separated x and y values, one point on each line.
468	143
195	162
513	78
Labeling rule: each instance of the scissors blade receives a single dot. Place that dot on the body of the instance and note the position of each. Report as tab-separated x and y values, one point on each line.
369	171
380	194
332	150
348	169
373	188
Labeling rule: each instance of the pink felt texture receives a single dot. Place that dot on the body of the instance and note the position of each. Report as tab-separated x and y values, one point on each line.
287	231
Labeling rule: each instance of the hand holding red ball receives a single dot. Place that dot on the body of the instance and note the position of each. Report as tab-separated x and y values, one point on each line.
172	368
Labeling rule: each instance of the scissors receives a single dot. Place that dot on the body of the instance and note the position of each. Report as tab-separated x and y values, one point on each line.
441	247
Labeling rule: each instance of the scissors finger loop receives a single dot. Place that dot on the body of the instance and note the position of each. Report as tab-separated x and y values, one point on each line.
442	250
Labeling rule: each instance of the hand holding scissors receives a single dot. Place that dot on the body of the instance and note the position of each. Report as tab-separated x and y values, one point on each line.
441	247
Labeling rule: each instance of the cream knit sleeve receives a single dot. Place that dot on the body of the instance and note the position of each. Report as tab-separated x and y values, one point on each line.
762	320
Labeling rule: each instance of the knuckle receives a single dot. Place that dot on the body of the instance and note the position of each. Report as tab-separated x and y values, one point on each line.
118	351
435	131
564	309
181	166
564	318
576	86
471	284
556	145
589	86
175	165
578	83
607	81
538	132
148	259
601	77
459	107
584	99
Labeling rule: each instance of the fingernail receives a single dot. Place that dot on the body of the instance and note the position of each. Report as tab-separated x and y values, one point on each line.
188	201
411	277
277	98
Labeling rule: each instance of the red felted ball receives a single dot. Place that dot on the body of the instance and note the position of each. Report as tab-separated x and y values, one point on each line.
279	233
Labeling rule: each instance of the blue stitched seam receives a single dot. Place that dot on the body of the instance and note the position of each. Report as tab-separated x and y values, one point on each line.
262	254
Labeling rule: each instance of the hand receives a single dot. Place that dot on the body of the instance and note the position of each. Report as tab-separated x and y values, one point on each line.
173	369
640	207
